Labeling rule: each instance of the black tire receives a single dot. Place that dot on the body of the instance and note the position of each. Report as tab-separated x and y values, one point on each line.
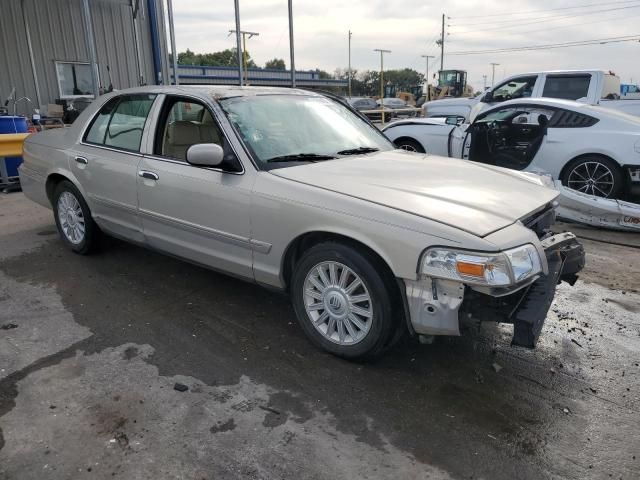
409	144
89	241
579	163
383	322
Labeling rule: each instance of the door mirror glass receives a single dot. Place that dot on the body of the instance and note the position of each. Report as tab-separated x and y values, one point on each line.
205	155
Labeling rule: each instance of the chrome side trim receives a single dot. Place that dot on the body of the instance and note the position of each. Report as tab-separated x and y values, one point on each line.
113	204
178	162
118	150
261	247
219	235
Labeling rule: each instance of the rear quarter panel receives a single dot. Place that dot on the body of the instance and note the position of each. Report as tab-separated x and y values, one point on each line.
433	138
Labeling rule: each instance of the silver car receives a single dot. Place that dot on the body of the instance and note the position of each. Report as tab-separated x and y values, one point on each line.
294	190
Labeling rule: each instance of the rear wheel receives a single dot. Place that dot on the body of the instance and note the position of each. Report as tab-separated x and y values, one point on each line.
73	218
594	175
342	301
409	144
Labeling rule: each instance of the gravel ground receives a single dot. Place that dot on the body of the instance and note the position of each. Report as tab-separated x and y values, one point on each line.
91	349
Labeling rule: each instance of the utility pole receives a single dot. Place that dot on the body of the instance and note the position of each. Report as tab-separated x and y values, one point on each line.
493	72
484	82
238	46
426	75
244	51
172	36
293	63
349	70
382	52
442	45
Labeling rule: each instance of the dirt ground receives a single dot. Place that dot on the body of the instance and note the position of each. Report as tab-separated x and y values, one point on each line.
92	347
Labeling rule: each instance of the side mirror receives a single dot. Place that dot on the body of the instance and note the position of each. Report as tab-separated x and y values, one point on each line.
205	155
488	97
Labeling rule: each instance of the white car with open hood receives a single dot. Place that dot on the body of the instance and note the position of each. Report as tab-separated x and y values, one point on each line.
296	191
590	149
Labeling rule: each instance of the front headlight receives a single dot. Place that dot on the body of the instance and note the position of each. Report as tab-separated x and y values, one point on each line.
493	269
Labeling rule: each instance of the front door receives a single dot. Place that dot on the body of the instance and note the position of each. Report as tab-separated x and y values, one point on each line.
198	213
106	163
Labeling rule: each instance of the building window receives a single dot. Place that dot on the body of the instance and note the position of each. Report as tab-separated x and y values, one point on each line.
74	79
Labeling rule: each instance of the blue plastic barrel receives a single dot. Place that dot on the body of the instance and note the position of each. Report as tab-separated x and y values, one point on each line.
11	124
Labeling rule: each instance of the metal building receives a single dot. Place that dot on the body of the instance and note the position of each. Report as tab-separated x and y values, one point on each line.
50	52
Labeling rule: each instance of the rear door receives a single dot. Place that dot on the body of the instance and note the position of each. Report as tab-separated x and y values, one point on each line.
198	213
106	162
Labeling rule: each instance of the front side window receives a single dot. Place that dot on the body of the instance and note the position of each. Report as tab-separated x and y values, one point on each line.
120	122
273	126
74	79
521	87
185	123
568	87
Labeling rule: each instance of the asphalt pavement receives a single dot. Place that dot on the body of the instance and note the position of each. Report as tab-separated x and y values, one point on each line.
93	348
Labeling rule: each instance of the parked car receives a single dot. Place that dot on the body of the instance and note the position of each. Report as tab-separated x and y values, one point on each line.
590	149
290	189
396	105
363	105
595	87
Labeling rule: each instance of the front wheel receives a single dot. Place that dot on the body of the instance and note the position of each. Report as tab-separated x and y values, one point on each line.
73	218
343	302
410	145
594	175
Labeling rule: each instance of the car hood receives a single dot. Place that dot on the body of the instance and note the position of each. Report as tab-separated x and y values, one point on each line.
476	198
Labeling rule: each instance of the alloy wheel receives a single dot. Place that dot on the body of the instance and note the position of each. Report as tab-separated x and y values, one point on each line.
338	303
71	217
593	178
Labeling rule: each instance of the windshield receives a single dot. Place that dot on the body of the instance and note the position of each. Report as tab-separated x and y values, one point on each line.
285	126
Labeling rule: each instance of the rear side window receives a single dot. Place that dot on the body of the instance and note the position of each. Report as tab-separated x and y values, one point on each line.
567	87
120	122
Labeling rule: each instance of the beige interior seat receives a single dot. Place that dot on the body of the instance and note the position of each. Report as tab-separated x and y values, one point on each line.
181	134
209	132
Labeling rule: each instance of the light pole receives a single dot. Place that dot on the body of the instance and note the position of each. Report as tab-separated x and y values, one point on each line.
493	72
172	37
427	57
293	63
244	51
349	69
382	52
484	82
238	46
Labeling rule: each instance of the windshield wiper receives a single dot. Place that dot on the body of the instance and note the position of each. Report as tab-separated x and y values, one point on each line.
356	151
300	157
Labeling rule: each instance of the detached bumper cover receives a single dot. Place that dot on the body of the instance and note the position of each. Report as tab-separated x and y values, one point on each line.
565	257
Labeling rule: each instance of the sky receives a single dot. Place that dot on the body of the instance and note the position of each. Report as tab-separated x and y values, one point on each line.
409	28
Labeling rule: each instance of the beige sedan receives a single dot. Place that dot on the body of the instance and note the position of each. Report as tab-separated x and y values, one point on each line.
295	190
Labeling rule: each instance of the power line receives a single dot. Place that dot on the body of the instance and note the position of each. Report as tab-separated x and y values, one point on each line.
532	21
588	5
579	43
619	19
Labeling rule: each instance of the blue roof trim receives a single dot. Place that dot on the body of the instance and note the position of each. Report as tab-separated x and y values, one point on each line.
263	79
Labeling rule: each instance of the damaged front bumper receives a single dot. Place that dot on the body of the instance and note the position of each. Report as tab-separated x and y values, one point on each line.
435	305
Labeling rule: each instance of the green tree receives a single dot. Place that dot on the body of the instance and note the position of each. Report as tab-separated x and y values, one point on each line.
224	58
276	63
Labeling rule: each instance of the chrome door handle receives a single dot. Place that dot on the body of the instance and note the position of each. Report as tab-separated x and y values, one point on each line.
82	160
148	175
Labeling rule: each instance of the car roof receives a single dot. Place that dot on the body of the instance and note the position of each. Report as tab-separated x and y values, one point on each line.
594	110
218	91
560	72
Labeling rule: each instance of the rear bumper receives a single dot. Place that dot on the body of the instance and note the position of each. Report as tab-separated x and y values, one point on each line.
34	186
435	305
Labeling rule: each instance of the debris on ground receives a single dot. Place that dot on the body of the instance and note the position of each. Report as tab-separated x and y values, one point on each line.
8	326
180	387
